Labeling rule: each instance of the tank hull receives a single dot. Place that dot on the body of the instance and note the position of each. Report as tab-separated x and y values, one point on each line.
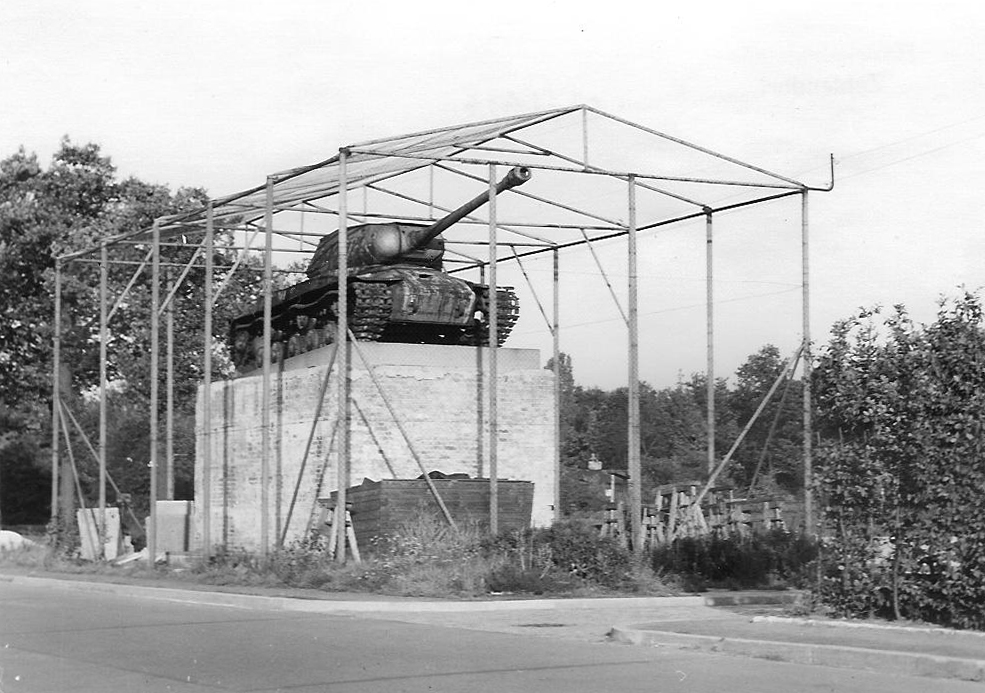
392	303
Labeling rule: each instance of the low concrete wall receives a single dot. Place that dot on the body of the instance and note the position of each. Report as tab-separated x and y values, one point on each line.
437	392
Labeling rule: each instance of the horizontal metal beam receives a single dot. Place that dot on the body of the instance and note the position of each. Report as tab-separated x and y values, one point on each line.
651	188
666	222
691	145
621	175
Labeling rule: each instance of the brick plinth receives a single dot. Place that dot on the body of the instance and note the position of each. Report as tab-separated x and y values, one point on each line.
436	392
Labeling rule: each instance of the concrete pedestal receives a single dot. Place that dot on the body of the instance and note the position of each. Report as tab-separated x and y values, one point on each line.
438	395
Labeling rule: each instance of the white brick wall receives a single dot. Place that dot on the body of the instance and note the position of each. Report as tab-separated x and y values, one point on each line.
436	392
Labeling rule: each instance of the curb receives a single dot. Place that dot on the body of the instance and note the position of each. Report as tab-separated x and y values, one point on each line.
755	597
884	661
411	605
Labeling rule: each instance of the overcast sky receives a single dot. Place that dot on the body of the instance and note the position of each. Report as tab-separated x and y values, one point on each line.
220	94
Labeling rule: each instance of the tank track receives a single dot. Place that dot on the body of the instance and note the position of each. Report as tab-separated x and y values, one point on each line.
370	306
369	311
507	313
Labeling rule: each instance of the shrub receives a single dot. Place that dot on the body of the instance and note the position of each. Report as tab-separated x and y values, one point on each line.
577	551
761	560
570	554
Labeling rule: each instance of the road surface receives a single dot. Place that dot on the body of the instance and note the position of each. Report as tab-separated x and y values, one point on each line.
62	640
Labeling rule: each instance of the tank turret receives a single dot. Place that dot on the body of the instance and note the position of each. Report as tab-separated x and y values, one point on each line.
395	242
395	288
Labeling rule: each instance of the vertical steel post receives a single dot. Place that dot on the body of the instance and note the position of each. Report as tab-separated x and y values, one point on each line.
556	333
584	137
103	393
493	370
155	347
169	399
710	371
342	357
268	287
481	377
56	367
635	493
431	190
206	497
808	432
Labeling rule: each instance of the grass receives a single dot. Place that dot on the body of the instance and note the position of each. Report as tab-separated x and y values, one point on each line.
422	558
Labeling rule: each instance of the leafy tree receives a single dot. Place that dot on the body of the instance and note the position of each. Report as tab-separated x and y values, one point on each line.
902	465
771	454
70	206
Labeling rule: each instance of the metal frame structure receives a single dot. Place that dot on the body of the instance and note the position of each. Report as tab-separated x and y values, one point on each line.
410	177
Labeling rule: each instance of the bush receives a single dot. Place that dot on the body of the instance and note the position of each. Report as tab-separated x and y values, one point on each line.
568	555
762	560
515	579
577	551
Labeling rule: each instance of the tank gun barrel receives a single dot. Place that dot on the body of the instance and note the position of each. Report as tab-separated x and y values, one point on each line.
518	175
393	242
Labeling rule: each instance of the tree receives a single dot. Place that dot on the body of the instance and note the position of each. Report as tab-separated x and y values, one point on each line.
674	431
69	206
901	468
771	454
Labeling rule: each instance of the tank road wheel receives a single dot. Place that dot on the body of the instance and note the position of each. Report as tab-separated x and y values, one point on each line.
330	333
295	345
311	339
242	349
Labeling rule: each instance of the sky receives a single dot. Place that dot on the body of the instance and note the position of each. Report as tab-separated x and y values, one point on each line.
220	94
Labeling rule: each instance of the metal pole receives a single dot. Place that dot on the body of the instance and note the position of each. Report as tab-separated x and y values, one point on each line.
710	372
633	463
480	399
155	348
56	366
342	356
169	403
584	135
103	378
265	386
556	333
430	191
207	386
493	374
808	452
605	276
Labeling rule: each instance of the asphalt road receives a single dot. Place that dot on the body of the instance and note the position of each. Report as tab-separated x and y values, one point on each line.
64	640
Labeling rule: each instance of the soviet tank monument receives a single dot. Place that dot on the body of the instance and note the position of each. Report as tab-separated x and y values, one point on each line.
396	288
419	361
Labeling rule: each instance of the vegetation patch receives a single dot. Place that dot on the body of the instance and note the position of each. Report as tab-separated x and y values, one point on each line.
766	560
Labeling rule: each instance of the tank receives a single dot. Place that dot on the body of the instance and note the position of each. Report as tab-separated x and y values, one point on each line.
397	291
